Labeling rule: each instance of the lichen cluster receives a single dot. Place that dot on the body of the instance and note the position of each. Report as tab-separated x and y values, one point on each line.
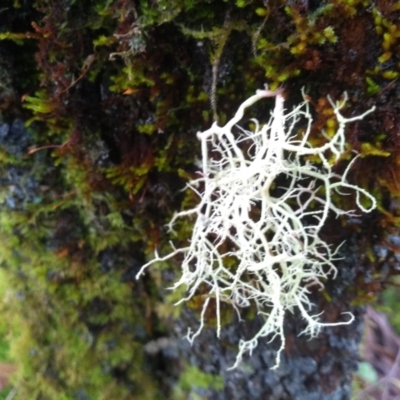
278	254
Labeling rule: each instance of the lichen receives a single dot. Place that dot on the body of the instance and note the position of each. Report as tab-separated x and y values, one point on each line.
275	246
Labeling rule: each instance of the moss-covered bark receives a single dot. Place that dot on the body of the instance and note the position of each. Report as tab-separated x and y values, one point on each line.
100	102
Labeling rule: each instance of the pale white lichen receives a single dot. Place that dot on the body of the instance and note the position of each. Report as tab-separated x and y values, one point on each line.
263	204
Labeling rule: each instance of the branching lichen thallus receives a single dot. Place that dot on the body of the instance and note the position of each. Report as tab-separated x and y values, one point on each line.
268	262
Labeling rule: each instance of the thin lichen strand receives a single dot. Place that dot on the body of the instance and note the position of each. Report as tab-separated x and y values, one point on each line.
279	254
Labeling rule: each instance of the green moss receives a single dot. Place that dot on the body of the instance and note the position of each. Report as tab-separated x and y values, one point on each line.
193	378
368	149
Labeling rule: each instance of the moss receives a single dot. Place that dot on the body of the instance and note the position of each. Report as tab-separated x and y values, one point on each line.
192	378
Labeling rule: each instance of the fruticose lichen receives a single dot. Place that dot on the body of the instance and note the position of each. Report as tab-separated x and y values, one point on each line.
271	231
